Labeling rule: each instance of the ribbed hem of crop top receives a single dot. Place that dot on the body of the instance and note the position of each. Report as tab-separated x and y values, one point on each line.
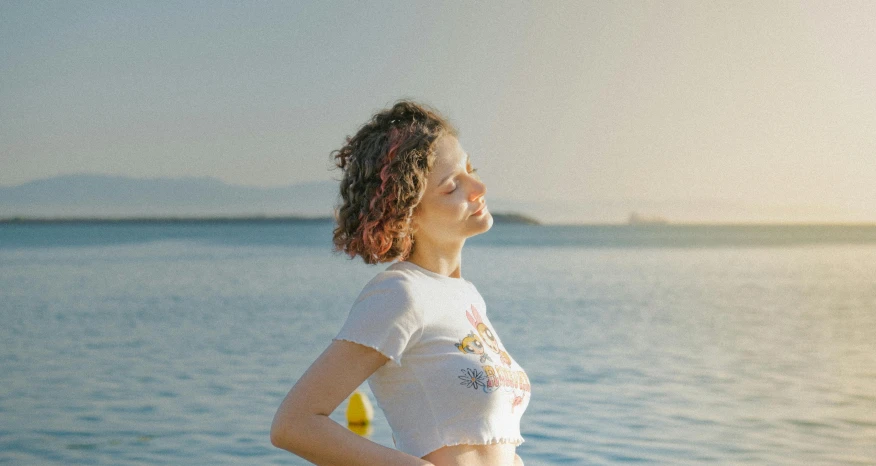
516	441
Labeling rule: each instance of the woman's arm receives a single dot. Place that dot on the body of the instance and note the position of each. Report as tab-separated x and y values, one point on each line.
302	423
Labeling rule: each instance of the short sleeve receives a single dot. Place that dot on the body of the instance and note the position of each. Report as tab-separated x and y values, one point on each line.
384	317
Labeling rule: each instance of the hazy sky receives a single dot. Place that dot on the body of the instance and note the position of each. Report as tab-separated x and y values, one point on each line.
699	110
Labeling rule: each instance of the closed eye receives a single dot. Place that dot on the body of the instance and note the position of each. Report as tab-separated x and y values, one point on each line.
471	171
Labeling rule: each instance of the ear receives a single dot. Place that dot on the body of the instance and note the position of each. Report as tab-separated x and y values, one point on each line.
412	224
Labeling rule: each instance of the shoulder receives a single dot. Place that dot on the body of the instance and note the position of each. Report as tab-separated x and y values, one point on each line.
391	294
392	281
387	315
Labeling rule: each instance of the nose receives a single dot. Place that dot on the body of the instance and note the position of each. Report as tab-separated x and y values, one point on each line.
479	190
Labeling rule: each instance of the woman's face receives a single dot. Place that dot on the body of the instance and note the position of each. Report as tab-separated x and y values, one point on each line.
453	206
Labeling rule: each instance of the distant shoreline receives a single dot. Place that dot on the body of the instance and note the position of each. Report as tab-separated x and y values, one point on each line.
169	219
502	218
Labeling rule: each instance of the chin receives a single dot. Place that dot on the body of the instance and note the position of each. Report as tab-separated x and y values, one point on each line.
488	219
484	223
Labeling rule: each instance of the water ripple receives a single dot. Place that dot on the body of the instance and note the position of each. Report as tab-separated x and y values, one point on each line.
658	355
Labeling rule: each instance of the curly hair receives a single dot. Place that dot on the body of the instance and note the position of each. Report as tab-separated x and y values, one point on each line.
385	165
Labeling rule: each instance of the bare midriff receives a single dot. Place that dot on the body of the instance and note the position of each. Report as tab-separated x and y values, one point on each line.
475	455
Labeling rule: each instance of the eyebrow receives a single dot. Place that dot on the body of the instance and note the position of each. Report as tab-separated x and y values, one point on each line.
467	164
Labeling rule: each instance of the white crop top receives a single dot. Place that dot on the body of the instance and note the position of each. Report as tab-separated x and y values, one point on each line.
449	380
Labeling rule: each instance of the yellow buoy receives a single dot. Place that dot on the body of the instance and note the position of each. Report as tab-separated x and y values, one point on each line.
364	431
359	409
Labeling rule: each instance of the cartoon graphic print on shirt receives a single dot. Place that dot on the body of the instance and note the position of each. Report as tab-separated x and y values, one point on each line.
475	318
472	345
488	336
490	378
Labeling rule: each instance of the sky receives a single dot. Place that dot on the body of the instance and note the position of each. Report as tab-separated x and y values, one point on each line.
694	111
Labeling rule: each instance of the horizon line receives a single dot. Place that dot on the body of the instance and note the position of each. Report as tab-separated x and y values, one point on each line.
17	219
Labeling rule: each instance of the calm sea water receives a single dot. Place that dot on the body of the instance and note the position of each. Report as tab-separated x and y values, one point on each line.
175	343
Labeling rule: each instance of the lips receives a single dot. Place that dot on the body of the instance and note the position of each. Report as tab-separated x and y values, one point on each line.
481	210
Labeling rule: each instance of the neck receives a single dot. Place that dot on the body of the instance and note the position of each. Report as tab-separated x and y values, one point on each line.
446	260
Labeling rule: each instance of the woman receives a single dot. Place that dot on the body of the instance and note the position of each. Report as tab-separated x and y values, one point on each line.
418	331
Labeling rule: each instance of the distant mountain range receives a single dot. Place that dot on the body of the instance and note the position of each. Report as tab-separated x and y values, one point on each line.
105	196
88	195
